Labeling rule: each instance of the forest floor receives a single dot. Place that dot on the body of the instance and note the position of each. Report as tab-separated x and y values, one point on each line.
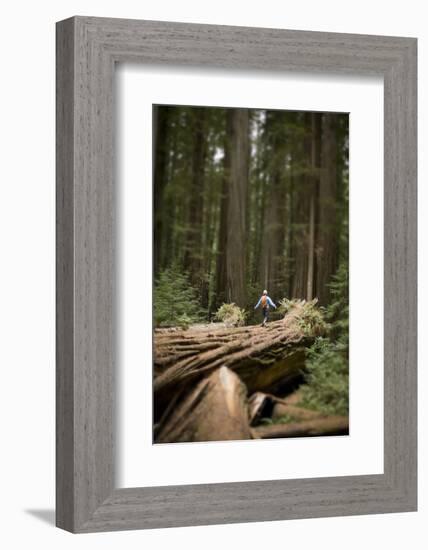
215	382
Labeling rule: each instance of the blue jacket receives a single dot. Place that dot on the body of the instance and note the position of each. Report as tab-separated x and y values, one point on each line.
269	302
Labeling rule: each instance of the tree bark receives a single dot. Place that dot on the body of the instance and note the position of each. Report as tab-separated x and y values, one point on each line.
329	425
300	214
311	250
161	131
238	128
327	226
315	160
215	410
221	271
274	223
304	211
193	251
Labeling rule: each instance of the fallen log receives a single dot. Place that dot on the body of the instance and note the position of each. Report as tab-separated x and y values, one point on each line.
267	358
293	398
328	425
282	409
215	410
263	405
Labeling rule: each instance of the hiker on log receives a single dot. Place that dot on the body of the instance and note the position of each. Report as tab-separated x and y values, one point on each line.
265	302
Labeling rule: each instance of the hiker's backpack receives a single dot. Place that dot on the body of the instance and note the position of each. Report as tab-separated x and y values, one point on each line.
264	301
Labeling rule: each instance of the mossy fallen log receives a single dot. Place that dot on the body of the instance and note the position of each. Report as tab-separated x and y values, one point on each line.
268	359
215	410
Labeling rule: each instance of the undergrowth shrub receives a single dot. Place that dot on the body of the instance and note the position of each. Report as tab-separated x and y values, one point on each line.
312	317
327	362
175	300
231	314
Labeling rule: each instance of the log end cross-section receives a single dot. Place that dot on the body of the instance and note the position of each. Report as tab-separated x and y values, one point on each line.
215	410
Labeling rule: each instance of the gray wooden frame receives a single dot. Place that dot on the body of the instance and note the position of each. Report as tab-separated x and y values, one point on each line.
87	50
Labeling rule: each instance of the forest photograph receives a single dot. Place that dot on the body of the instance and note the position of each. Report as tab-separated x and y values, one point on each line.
250	274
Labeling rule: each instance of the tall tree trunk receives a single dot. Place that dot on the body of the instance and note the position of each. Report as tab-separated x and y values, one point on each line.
272	265
311	250
221	266
302	207
237	206
327	226
193	253
167	245
160	172
315	157
258	201
210	230
260	215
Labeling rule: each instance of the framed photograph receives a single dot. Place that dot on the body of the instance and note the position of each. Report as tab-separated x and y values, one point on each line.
246	199
236	274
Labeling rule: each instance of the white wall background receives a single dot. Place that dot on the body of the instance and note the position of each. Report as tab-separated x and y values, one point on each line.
27	271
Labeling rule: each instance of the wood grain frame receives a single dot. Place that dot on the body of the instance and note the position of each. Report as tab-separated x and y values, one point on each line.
87	50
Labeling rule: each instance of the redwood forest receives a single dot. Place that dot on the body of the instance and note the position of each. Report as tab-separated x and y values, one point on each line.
250	260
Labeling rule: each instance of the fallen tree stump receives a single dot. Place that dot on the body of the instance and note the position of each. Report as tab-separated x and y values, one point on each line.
216	410
265	358
328	425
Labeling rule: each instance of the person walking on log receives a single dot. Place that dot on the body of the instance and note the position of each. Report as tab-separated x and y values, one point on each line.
265	302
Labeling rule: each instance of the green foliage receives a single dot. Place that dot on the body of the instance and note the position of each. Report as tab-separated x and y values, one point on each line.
312	319
175	301
338	310
286	305
184	321
231	314
327	364
328	380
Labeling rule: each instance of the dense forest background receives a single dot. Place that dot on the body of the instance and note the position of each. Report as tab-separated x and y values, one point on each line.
247	199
